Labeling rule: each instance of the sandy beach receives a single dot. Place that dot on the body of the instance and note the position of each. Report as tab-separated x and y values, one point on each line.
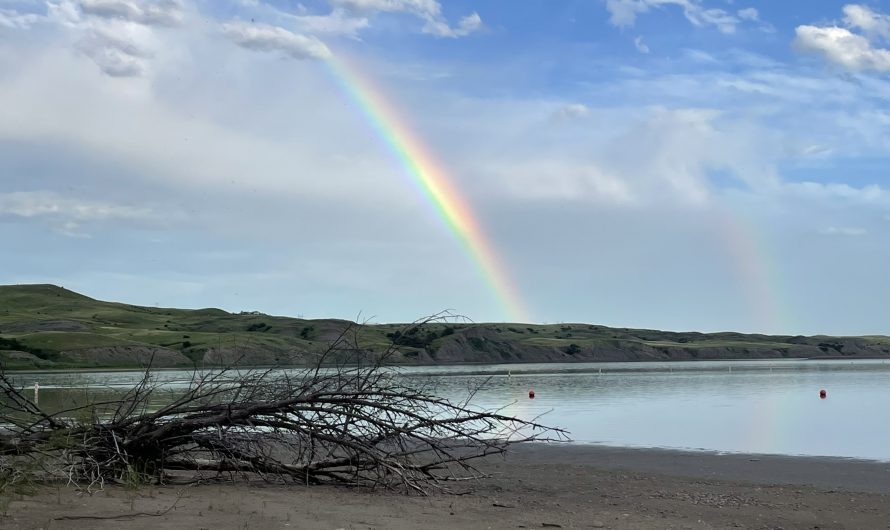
536	486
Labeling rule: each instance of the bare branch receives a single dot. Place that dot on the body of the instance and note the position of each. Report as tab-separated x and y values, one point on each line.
350	419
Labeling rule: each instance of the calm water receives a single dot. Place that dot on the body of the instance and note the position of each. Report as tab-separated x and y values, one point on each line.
745	406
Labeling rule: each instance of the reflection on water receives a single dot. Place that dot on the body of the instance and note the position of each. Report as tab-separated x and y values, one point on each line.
740	406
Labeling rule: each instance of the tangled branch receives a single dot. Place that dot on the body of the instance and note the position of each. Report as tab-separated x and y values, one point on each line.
357	424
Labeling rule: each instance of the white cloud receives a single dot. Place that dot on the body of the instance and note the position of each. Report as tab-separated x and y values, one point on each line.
543	179
430	11
266	38
749	13
120	36
116	53
843	231
623	13
669	153
842	47
640	45
872	194
816	150
438	27
871	23
65	13
349	17
48	203
338	22
151	13
571	110
276	140
722	20
66	214
699	56
12	19
307	143
421	7
639	157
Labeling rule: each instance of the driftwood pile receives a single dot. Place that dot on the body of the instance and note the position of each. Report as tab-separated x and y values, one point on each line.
352	424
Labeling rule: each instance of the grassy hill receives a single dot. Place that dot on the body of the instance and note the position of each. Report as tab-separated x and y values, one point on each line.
45	326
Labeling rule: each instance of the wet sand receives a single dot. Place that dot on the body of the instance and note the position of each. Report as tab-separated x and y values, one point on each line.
536	486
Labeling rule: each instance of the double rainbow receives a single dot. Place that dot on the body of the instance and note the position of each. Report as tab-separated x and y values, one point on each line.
433	181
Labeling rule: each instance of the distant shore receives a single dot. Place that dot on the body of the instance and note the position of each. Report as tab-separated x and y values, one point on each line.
46	326
537	485
444	364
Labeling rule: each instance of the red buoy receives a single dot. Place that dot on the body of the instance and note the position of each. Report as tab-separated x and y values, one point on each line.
531	394
823	394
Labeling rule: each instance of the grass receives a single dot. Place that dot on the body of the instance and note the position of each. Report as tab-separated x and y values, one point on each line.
62	340
54	322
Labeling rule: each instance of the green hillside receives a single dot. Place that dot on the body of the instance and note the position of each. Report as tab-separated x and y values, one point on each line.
45	326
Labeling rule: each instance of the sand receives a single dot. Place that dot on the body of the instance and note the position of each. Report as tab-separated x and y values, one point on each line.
537	486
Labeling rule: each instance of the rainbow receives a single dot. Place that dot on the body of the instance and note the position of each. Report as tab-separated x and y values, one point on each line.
432	180
748	255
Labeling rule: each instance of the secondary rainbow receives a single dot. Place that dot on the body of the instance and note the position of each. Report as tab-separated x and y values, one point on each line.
749	256
433	181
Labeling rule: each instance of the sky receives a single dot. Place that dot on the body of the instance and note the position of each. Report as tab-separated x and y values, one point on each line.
671	164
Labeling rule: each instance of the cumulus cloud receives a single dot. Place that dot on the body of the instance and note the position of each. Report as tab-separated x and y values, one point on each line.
120	36
842	47
182	138
623	13
160	12
430	11
868	21
266	38
640	45
247	167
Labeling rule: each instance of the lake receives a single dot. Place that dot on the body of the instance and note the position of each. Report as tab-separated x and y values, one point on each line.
727	406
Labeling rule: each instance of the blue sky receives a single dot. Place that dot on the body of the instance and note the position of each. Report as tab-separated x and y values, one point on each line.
676	164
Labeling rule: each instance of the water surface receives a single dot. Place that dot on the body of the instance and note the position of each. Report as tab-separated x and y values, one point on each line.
733	406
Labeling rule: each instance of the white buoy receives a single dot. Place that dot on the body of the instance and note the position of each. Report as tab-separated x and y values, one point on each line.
36	393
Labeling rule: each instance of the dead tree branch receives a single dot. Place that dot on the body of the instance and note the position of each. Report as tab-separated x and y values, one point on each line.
357	422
